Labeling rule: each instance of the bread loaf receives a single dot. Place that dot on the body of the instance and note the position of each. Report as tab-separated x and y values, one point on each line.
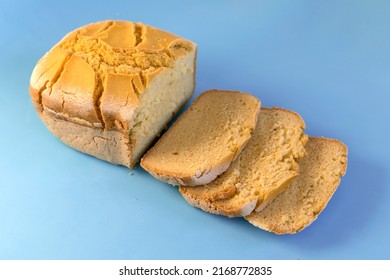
309	193
203	142
109	88
264	169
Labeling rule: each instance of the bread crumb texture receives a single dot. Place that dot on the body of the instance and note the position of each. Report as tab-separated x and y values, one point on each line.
309	193
97	76
203	142
263	170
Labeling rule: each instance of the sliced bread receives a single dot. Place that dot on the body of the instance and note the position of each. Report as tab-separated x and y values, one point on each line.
309	193
203	142
264	169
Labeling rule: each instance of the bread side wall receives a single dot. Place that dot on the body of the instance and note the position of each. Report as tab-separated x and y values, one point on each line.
106	145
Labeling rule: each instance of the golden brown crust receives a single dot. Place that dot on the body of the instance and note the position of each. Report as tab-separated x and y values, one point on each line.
97	76
70	78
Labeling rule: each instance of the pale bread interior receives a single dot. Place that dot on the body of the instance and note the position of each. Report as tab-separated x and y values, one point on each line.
159	104
264	169
202	143
309	193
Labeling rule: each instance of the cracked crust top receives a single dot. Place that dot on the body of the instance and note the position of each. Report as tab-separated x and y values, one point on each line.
95	74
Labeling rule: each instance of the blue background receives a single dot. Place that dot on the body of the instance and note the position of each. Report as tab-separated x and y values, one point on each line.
327	60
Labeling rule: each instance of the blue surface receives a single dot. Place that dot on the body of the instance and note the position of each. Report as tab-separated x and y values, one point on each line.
327	60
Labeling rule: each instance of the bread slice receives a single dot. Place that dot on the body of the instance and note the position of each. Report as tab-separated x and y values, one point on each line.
265	168
109	88
309	193
203	142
